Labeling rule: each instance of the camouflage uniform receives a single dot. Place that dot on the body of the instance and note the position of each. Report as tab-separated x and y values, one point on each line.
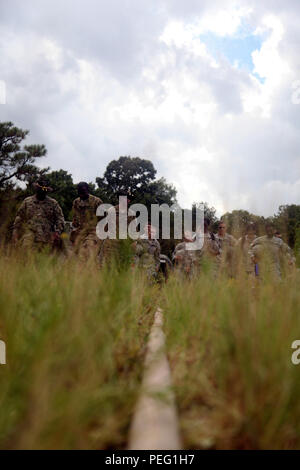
36	221
192	261
271	253
185	260
227	246
147	256
84	237
226	242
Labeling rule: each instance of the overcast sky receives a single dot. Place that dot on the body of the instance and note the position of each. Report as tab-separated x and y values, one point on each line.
205	89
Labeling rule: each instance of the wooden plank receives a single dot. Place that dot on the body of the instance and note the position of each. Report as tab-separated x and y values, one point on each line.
155	424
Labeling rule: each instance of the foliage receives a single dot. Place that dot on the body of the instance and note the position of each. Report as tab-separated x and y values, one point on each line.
135	177
64	190
17	163
238	220
229	344
75	348
288	221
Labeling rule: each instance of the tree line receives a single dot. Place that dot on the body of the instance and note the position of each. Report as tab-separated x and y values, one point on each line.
19	169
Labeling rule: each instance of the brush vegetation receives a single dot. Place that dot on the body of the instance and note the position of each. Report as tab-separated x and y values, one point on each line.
229	344
75	339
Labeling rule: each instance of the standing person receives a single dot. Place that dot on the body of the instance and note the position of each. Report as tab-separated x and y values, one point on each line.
147	253
227	245
39	222
244	243
185	260
224	239
83	235
192	258
269	252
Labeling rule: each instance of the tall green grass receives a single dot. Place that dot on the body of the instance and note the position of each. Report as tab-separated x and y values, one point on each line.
229	344
75	340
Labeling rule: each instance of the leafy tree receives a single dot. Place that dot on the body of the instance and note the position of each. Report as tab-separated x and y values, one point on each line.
136	177
17	163
157	192
209	212
238	220
287	221
64	190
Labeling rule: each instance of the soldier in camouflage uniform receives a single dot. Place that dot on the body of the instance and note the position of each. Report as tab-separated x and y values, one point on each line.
192	260
271	253
83	236
185	260
39	222
147	253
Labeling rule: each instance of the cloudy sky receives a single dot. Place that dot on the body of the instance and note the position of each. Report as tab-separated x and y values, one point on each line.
208	90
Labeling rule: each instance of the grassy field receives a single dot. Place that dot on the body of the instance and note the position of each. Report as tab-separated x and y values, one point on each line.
75	341
229	345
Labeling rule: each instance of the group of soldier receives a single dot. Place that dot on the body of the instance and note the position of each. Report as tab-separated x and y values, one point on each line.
39	225
253	256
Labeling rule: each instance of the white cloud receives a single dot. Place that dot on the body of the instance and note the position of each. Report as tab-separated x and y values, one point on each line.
224	22
95	82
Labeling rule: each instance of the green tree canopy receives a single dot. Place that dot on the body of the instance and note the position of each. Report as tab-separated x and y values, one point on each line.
287	221
238	220
136	177
64	190
17	163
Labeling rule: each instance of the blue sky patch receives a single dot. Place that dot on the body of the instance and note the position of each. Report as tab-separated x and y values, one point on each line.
236	49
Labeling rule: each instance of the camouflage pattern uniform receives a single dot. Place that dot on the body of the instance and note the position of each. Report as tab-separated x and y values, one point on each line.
226	242
271	253
243	255
36	221
227	246
191	262
185	260
147	256
84	237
